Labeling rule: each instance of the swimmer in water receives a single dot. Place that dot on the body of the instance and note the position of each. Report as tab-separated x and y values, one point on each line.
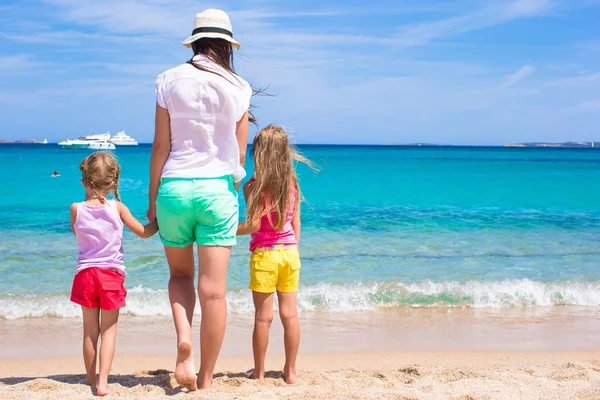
55	173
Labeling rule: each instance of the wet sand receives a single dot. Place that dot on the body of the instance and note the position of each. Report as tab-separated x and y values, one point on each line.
407	329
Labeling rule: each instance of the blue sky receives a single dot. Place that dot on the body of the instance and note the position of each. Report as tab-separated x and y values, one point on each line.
383	71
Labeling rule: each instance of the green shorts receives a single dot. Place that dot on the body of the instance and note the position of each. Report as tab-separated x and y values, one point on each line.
201	210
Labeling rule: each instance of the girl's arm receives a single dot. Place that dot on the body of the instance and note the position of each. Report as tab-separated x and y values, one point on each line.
161	147
296	225
246	228
241	133
73	216
143	231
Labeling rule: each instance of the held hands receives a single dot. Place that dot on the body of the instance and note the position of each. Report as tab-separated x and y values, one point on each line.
151	213
151	228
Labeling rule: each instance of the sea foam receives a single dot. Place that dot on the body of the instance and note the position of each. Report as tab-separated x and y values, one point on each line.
328	297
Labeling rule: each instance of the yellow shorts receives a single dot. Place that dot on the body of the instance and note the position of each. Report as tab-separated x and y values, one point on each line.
275	269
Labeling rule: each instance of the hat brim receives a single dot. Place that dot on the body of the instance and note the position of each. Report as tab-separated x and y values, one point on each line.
188	42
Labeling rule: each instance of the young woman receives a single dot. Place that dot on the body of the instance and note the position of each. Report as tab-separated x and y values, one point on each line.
196	167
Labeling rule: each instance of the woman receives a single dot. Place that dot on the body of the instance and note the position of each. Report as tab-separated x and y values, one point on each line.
196	167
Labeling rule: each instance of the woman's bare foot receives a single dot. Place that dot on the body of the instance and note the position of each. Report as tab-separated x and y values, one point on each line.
103	389
289	375
185	373
252	374
204	385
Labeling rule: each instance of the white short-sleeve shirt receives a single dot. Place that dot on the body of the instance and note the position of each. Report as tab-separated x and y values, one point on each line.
204	108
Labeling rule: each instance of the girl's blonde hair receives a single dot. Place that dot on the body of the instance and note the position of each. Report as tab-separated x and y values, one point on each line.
274	175
101	171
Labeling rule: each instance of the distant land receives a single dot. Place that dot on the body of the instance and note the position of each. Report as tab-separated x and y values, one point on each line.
566	144
531	144
33	141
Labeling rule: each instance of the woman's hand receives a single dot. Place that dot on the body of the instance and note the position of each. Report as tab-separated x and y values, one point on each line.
151	213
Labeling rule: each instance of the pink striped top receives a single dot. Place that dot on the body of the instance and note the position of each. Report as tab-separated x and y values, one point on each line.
267	236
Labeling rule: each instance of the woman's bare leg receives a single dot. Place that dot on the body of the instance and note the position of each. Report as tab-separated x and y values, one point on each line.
182	296
212	285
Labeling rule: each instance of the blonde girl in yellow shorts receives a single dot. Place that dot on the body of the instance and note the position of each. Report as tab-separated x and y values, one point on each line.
273	221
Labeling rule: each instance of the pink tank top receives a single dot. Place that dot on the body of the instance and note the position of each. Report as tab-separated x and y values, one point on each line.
267	236
99	233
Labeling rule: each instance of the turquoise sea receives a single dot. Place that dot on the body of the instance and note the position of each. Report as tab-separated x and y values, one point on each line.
383	227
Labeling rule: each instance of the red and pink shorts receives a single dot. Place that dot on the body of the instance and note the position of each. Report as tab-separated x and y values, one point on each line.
99	288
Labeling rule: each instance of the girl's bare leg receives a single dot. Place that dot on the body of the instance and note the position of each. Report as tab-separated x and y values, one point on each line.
288	311
263	316
108	332
91	331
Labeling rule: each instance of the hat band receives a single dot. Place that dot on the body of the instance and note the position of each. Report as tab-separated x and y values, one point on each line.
212	30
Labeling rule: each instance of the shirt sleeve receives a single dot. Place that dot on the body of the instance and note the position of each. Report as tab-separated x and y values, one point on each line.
160	90
239	174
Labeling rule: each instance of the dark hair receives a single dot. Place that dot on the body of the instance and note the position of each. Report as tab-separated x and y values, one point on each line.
220	51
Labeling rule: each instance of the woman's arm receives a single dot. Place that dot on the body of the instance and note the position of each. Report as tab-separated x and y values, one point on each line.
246	228
241	133
161	147
143	231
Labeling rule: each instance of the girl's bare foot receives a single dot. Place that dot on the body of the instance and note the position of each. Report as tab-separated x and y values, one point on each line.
103	389
252	374
289	375
185	373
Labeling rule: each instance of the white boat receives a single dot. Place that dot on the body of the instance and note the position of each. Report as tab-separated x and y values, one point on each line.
97	136
89	142
45	141
122	139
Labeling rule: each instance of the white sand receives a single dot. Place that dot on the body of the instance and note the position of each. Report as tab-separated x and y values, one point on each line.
390	375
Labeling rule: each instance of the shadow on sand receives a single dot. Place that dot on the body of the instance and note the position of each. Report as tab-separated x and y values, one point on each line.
268	375
160	378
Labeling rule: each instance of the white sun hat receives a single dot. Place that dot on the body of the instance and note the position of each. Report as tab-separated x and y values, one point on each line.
212	24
